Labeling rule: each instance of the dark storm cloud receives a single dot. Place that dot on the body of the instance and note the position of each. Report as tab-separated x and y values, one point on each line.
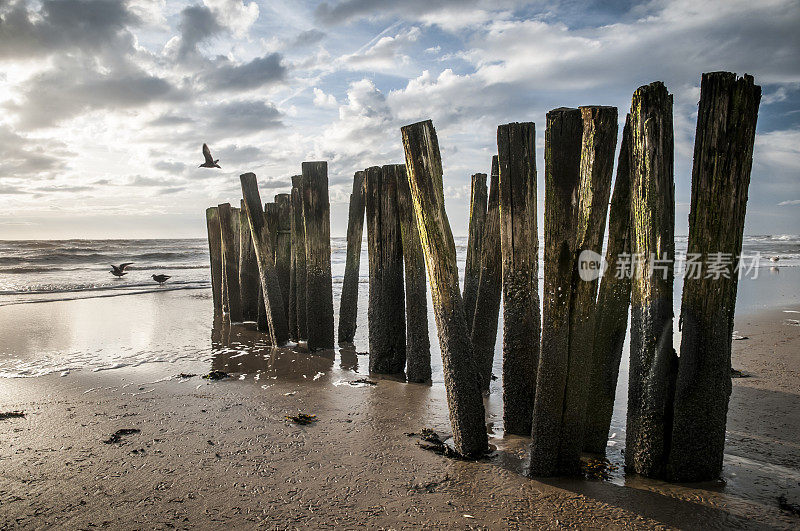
27	158
308	37
197	24
89	25
243	117
348	10
266	70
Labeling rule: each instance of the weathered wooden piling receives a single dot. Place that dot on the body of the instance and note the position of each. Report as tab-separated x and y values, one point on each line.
490	285
613	302
386	311
562	155
273	303
215	255
464	397
418	345
653	364
230	275
723	157
519	246
248	269
596	172
319	284
348	306
472	269
283	246
299	259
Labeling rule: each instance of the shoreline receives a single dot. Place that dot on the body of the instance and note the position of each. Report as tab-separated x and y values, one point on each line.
354	466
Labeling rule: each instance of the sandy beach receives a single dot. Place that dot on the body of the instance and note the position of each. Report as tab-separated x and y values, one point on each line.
221	453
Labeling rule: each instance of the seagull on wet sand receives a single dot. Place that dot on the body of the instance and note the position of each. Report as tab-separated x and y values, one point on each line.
119	270
161	279
210	162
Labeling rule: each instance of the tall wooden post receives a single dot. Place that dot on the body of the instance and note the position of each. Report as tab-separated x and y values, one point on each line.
386	312
215	255
520	247
723	157
248	269
562	156
283	246
348	307
464	397
299	257
653	366
472	269
418	344
490	285
230	274
273	303
319	285
596	172
613	302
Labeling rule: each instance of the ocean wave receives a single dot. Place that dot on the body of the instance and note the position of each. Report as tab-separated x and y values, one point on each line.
99	292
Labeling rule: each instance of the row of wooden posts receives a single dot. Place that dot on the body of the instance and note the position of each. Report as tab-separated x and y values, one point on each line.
560	367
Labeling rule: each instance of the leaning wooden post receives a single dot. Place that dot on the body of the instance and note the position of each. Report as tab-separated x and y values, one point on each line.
283	246
348	307
319	284
464	397
273	302
519	244
215	255
613	302
597	170
723	158
248	270
418	344
472	269
230	263
562	157
653	363
490	285
299	257
386	311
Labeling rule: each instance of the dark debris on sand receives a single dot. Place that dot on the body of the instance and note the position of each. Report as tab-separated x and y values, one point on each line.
430	440
736	373
119	434
184	376
12	415
785	505
597	468
215	375
301	418
364	381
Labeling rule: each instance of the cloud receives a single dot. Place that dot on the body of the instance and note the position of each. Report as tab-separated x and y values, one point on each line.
197	25
350	10
24	157
243	117
308	38
260	72
385	54
324	100
789	203
236	15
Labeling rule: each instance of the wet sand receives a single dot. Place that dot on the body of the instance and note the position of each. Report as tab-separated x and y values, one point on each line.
217	454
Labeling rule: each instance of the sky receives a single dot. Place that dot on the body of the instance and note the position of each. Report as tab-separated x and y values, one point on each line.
105	104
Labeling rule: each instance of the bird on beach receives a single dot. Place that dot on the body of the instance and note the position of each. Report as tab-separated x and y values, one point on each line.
161	278
210	162
119	271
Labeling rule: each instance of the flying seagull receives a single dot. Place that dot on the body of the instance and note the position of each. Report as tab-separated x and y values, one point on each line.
161	278
119	270
210	162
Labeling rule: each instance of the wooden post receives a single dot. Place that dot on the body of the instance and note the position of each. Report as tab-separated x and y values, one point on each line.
386	312
248	270
613	302
319	285
490	285
348	307
299	257
472	269
723	157
464	397
520	247
230	263
283	246
562	156
596	172
418	344
215	255
653	364
273	302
